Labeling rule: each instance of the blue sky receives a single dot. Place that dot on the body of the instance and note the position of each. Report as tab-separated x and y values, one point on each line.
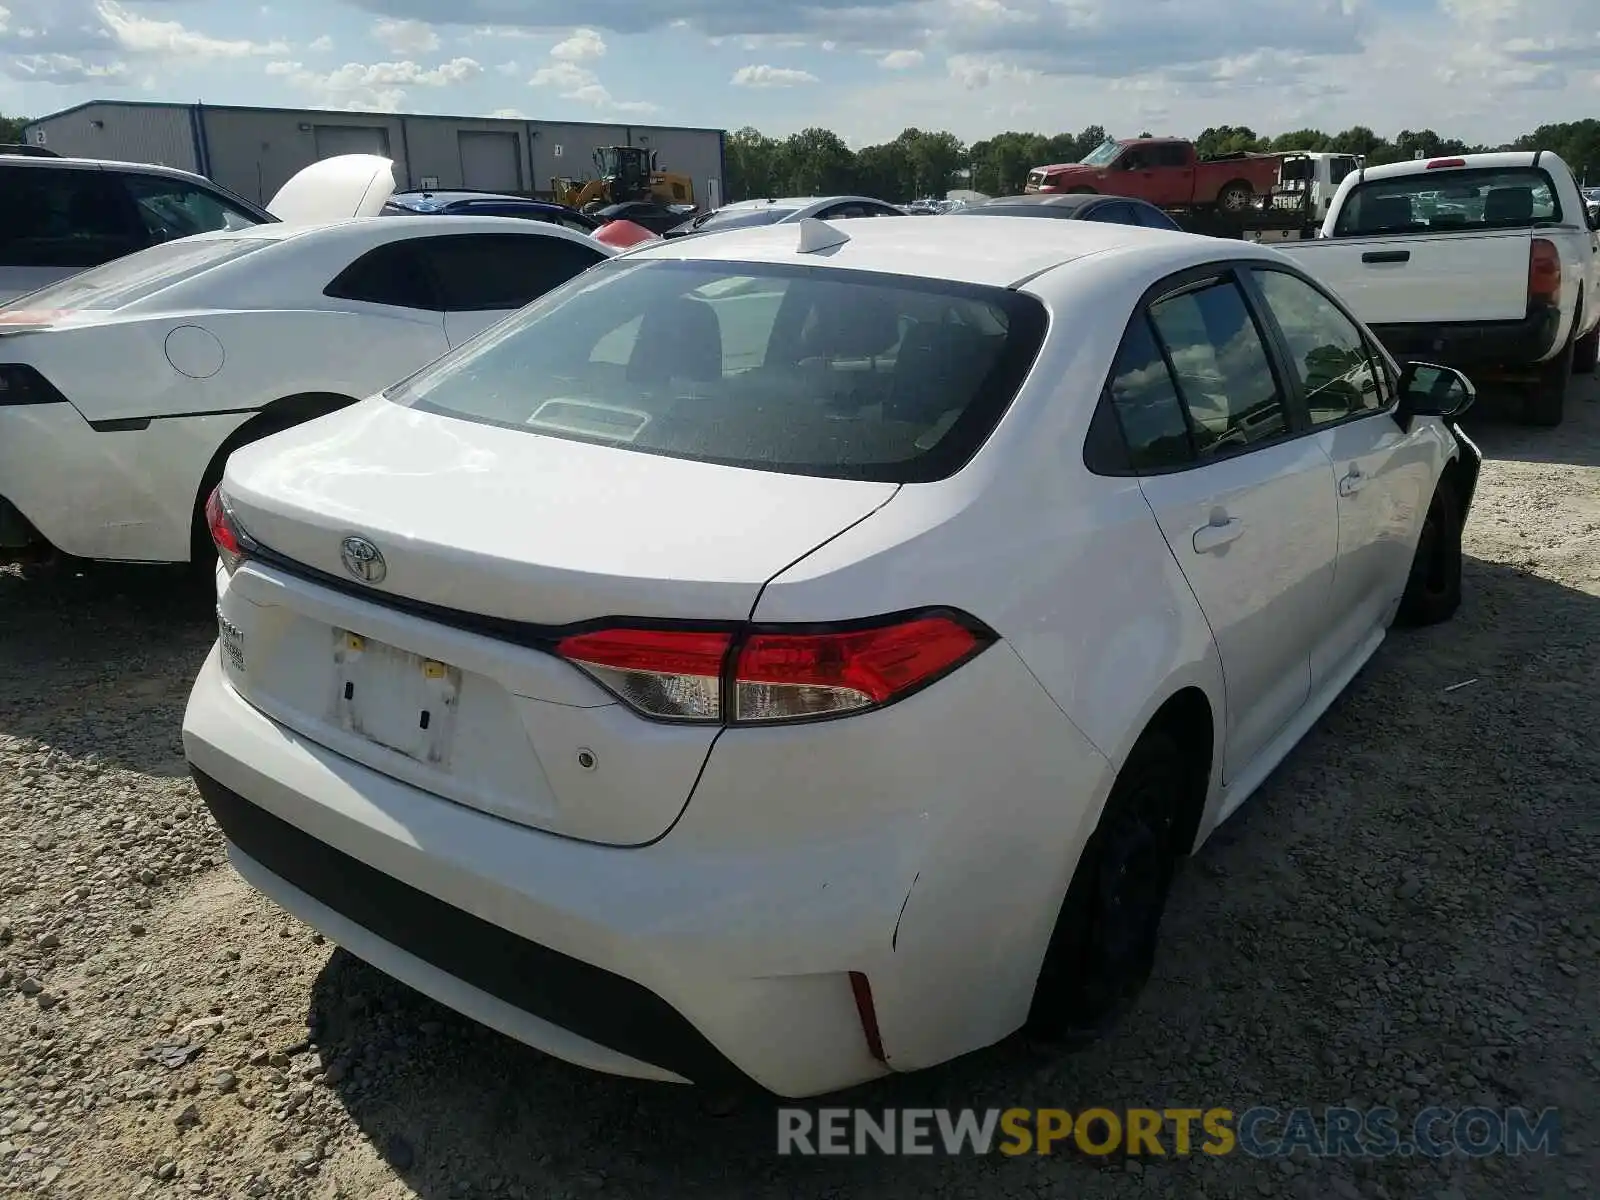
1480	69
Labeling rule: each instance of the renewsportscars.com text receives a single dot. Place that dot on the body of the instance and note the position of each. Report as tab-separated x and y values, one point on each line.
1258	1132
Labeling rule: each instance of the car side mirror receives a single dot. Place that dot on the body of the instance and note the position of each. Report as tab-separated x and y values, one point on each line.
1429	390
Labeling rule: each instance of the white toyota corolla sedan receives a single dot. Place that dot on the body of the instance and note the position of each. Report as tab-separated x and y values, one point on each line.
123	389
803	653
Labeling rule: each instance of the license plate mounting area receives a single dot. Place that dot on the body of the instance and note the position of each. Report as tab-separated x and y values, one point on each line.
402	701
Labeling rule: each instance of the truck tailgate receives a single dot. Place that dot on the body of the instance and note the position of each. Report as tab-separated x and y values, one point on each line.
1428	278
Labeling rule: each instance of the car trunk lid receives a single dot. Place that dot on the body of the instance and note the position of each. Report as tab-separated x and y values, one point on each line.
438	670
335	189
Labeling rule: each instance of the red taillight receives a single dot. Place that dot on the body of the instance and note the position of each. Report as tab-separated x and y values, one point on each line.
1544	272
674	674
1446	162
225	532
776	675
784	676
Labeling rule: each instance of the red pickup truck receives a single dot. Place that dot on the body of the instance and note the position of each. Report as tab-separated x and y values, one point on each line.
1166	172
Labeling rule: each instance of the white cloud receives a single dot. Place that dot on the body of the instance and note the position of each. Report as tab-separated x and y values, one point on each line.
584	45
765	76
67	69
901	60
580	84
321	46
405	37
973	71
509	69
377	86
170	39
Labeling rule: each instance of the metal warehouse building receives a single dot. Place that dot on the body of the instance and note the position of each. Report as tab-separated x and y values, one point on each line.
253	151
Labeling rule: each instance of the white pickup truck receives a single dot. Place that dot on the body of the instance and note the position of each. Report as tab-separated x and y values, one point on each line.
1488	263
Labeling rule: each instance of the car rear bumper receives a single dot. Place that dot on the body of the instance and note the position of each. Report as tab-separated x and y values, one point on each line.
1476	344
722	953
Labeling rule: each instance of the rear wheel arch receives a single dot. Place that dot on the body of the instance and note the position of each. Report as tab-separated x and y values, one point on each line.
1186	717
1101	949
281	414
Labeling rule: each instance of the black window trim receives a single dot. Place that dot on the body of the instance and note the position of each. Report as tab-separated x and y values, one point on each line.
1381	358
1097	457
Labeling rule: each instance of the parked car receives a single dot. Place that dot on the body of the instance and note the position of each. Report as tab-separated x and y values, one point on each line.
487	204
59	216
647	214
1167	172
1486	262
804	653
743	213
124	389
1088	206
1317	173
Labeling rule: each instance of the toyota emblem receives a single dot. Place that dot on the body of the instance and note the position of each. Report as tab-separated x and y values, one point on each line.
363	560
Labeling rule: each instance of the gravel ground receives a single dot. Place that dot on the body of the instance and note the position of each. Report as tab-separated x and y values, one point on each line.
1408	913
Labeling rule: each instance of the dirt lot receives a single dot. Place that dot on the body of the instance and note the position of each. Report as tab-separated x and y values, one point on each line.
1407	914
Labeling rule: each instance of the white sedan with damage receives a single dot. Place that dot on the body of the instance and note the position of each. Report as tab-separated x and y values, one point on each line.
805	653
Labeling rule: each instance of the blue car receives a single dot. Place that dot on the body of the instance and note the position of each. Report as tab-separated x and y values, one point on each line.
488	204
1089	206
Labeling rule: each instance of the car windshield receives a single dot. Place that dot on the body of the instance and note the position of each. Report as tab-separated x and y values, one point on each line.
131	278
1101	154
796	369
1429	202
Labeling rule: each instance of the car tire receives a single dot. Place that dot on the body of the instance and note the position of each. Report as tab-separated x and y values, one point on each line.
1235	197
1586	352
1103	947
1546	401
1433	590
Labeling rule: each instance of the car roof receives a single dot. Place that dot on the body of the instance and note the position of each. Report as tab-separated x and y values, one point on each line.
1002	252
1419	166
39	162
419	223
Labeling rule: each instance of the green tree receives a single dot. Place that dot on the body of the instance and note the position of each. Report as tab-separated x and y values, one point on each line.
11	128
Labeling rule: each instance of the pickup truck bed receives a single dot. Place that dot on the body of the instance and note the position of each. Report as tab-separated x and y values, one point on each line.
1484	262
1459	296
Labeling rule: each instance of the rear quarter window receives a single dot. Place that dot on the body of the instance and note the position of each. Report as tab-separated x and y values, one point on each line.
833	373
1450	199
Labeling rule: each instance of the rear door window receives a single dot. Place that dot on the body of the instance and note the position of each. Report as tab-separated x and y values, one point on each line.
63	217
486	272
787	368
1222	369
1448	198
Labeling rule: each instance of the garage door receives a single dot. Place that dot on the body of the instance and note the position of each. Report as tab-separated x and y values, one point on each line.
334	140
490	162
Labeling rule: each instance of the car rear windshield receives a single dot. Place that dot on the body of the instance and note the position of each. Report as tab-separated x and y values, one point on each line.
131	278
737	218
796	369
1448	199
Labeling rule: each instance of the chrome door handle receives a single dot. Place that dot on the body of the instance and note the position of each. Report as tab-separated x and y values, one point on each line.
1352	483
1217	534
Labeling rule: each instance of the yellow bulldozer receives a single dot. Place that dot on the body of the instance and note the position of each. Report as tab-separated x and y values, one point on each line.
623	173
